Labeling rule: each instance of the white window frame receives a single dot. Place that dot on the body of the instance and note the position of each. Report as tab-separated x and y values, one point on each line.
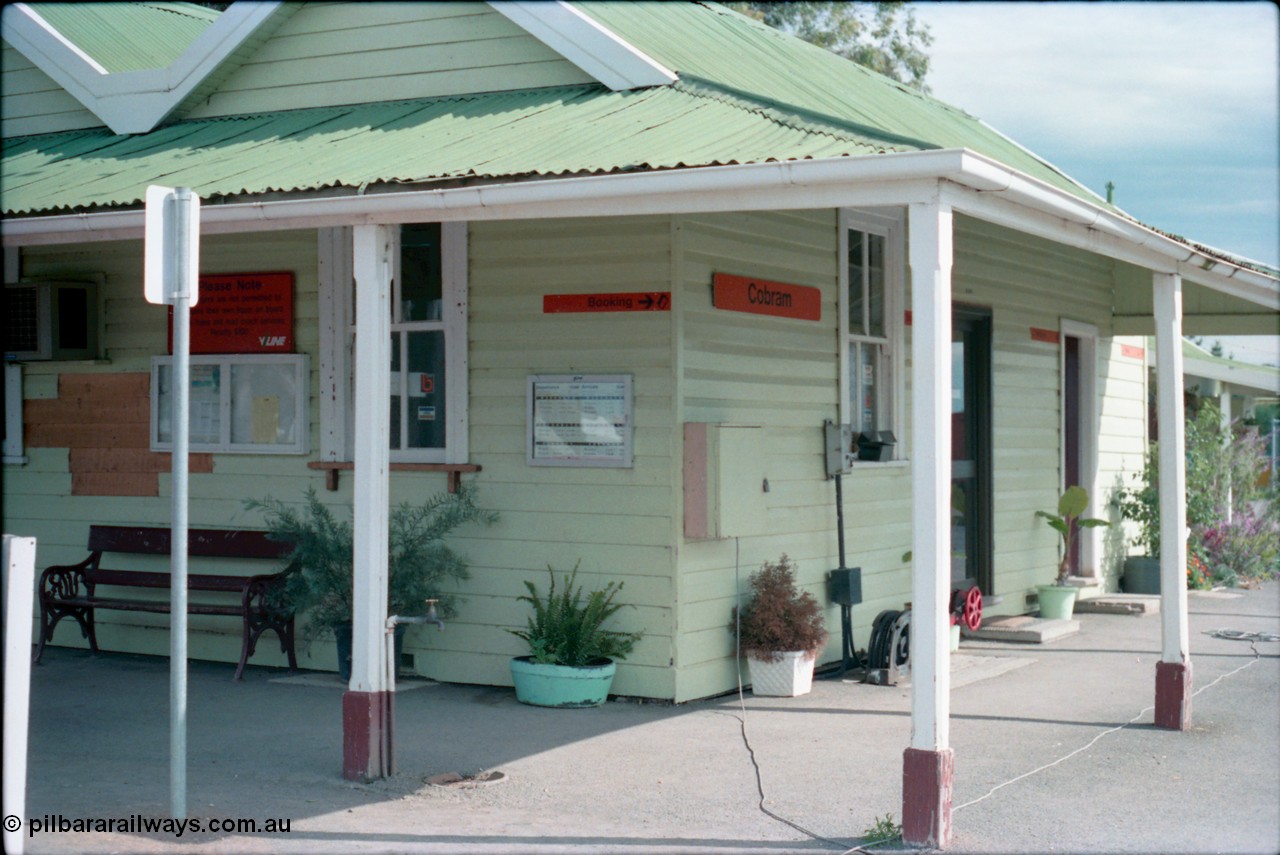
890	225
297	363
337	362
14	450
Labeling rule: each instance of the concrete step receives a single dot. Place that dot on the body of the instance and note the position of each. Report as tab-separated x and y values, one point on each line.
1120	604
1024	629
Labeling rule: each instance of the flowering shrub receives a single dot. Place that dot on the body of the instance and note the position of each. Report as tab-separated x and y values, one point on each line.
1198	577
1243	551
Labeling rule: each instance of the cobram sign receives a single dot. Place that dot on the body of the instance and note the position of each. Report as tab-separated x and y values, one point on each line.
763	297
638	301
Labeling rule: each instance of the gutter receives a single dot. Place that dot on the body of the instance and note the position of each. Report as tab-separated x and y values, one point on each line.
740	187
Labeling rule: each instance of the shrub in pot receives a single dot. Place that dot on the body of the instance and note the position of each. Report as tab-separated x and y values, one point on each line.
780	630
419	559
1058	600
572	657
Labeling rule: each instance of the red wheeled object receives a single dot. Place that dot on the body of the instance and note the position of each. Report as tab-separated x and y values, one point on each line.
966	605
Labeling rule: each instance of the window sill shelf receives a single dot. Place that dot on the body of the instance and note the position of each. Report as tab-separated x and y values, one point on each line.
331	469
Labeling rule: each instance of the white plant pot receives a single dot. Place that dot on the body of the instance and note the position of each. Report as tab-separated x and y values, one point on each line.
790	676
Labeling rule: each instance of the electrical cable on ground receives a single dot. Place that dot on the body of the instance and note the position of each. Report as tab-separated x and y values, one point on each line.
742	722
1232	634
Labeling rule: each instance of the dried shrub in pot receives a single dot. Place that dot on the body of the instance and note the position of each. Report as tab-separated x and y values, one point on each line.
779	618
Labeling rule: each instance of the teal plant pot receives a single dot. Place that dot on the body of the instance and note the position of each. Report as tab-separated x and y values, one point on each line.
1057	602
561	685
1141	575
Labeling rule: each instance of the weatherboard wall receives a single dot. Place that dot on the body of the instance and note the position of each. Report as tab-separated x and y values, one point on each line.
31	102
41	498
776	378
325	56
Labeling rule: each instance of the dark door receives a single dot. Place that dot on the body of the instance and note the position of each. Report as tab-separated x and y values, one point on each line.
1071	435
971	505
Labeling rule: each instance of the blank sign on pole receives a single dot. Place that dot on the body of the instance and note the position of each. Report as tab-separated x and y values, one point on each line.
161	259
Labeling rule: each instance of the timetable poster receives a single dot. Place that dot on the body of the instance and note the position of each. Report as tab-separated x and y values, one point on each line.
580	421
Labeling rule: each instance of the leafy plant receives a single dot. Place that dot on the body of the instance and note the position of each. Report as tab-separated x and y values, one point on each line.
419	560
883	830
1071	504
1233	517
778	618
566	630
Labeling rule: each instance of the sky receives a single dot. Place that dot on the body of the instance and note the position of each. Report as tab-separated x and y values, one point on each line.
1175	103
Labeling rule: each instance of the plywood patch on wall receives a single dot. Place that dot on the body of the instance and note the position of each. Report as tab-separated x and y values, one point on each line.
104	422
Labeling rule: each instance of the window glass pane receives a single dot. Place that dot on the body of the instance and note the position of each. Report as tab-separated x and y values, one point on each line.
864	366
875	285
204	404
263	404
421	283
395	390
857	323
425	400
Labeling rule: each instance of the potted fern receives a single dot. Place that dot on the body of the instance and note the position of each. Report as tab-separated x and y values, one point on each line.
781	630
571	659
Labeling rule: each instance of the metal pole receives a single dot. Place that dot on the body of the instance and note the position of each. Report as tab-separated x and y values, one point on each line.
178	543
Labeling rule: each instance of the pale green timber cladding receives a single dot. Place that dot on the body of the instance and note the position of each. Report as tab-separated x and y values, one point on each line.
776	373
324	55
31	102
38	500
693	364
616	522
1032	282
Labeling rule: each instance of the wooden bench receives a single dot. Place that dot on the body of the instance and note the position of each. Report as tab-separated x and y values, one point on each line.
71	590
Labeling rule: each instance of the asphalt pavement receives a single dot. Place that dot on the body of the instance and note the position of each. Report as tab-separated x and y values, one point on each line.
1054	752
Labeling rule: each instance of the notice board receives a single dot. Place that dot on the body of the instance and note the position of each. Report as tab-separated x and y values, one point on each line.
242	313
580	420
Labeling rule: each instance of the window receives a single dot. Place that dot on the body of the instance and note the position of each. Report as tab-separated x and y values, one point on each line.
428	346
872	262
243	404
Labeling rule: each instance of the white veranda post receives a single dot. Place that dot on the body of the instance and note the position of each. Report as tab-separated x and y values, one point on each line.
366	706
927	766
1173	672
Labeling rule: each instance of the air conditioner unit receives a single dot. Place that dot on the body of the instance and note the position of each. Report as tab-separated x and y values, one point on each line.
50	320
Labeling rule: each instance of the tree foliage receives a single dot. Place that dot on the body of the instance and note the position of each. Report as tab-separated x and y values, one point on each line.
885	37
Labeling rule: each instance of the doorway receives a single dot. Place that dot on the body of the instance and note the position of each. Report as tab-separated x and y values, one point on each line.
971	493
1079	432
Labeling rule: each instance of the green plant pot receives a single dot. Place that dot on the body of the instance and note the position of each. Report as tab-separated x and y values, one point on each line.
1141	575
1057	602
561	685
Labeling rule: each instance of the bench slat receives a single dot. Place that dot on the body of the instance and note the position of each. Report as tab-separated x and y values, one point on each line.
144	579
202	542
156	606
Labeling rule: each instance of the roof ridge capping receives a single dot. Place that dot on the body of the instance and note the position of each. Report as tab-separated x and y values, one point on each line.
133	102
588	44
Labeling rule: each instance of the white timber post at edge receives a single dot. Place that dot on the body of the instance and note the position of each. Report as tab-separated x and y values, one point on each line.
19	597
365	713
1173	671
928	764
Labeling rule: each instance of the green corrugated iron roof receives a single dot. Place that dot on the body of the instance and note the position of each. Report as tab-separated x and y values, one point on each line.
545	132
128	36
747	93
734	52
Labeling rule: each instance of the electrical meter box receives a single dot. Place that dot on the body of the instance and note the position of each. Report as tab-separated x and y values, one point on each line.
725	480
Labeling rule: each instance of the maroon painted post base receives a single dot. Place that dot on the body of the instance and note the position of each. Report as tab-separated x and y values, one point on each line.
1173	695
926	796
366	735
